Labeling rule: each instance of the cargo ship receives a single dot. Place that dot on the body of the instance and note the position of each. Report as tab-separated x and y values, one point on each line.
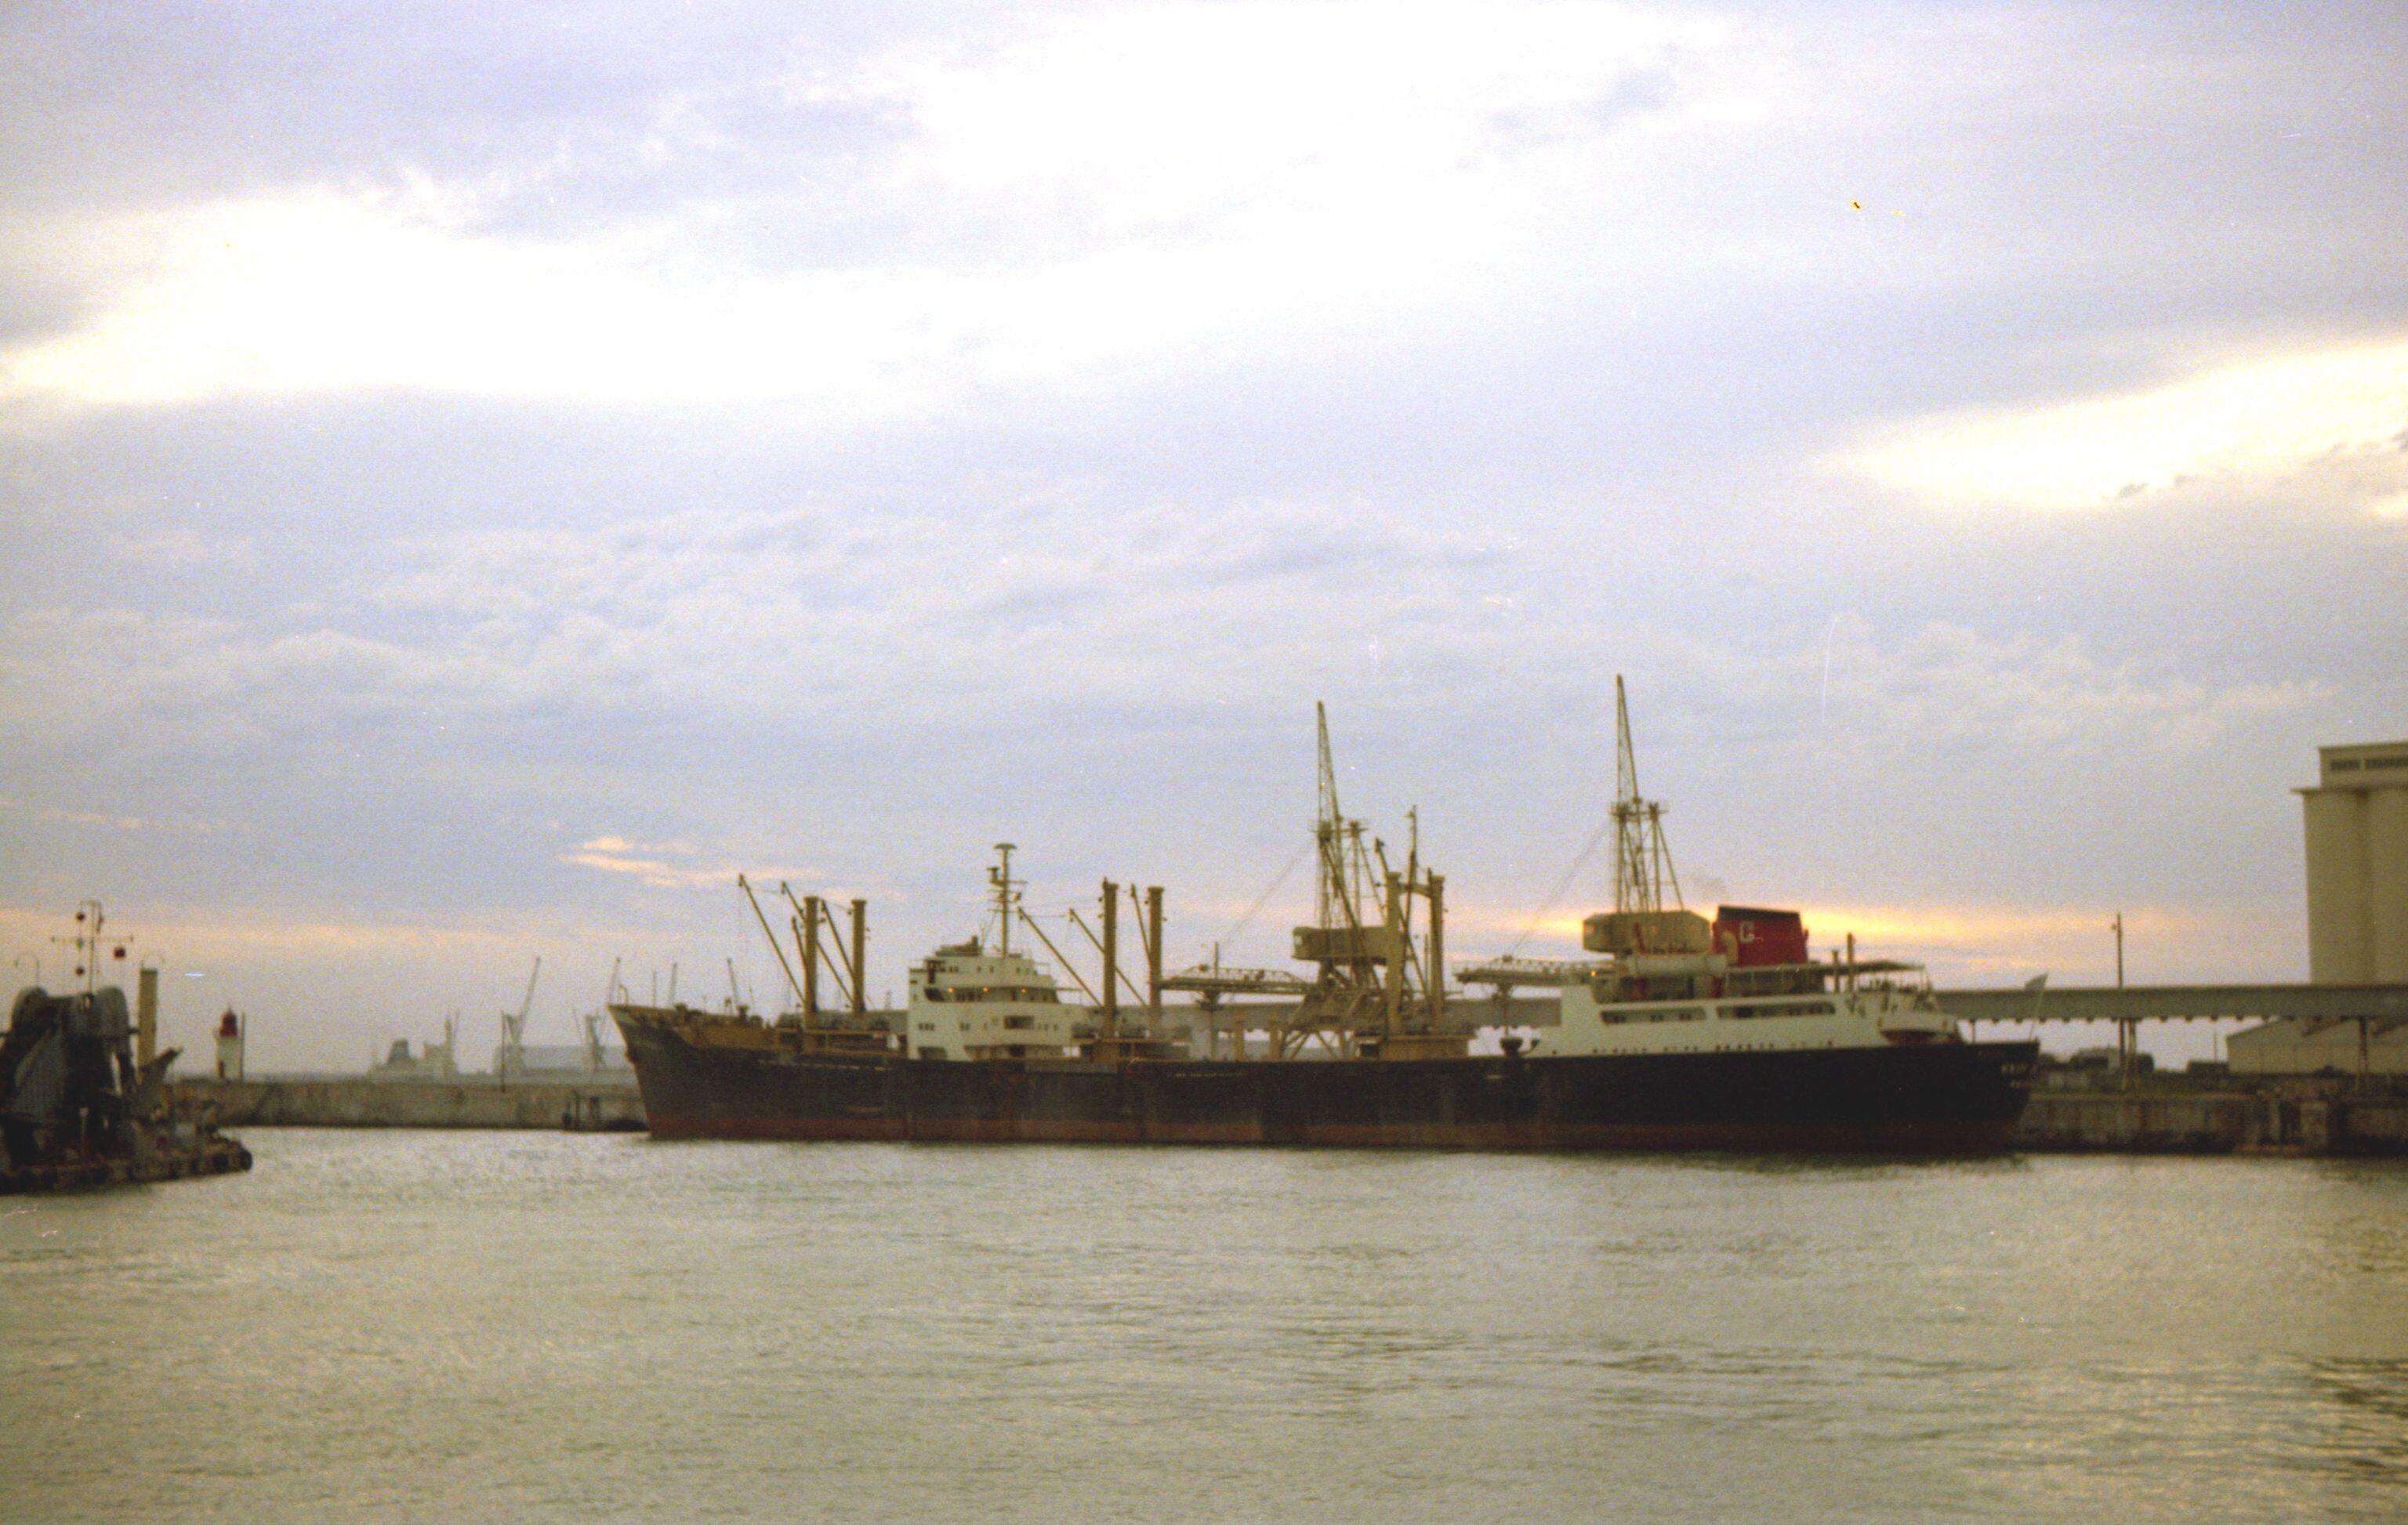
1682	1034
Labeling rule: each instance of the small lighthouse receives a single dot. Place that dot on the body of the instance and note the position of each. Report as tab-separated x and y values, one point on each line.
230	1045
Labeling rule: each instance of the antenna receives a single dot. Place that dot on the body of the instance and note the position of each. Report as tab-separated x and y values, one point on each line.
1642	865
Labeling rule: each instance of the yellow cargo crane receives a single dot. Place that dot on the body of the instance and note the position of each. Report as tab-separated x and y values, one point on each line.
1371	994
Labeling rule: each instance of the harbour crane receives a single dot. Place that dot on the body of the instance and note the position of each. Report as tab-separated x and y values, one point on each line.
593	1020
511	1061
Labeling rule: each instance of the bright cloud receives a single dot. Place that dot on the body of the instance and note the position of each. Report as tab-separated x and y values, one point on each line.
2253	423
651	862
322	291
1149	119
1113	190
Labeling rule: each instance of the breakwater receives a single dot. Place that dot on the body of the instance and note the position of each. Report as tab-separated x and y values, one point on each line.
580	1105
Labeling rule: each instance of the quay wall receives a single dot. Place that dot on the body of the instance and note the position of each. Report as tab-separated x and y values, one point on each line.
574	1105
2231	1122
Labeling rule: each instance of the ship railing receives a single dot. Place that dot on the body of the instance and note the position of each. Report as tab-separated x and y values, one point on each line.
1507	972
1205	979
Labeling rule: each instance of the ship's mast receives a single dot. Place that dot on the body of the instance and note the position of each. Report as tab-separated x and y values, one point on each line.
1642	865
1332	836
91	970
1006	896
87	943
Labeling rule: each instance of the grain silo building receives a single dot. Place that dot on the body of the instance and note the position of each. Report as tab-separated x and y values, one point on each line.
2357	819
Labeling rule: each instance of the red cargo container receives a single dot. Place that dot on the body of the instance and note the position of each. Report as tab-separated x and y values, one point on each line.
1753	935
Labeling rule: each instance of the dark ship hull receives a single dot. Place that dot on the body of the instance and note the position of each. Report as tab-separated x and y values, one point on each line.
1932	1099
170	1161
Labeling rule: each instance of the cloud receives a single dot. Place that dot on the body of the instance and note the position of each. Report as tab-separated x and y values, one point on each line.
180	547
223	682
1438	359
325	289
1111	191
224	931
1156	121
104	820
652	870
2253	423
1946	685
617	855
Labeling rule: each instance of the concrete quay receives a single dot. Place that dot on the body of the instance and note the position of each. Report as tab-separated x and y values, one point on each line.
2213	1122
461	1102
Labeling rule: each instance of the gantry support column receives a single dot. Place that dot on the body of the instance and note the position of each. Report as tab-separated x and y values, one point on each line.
1111	948
810	961
1436	951
861	957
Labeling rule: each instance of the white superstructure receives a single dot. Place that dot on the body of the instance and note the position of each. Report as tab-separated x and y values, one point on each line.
1673	983
1704	1004
969	1001
973	1002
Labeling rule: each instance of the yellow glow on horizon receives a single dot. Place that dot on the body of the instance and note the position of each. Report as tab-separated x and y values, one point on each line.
1966	931
2254	422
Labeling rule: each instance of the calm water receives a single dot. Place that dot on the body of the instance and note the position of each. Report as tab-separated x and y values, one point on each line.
528	1326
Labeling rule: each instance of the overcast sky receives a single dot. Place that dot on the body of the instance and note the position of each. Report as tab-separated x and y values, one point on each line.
476	477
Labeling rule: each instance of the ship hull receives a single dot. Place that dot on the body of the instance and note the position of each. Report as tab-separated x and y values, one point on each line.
1934	1099
81	1173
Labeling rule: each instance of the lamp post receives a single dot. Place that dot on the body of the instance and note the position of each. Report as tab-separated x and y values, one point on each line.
2128	1032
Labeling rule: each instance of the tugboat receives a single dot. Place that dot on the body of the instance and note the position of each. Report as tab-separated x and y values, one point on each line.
1686	1035
80	1106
